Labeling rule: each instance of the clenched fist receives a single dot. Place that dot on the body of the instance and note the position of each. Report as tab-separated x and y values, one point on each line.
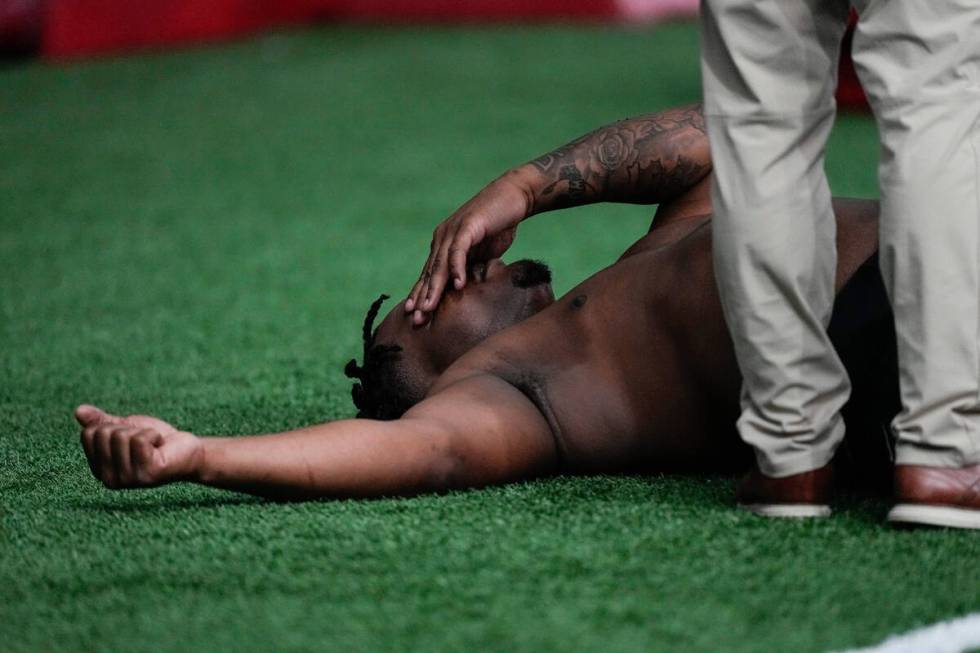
137	451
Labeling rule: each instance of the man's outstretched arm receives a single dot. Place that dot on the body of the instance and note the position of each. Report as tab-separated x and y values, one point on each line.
649	159
478	432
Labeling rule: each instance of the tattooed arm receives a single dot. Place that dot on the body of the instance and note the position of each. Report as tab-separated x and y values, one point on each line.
650	159
645	160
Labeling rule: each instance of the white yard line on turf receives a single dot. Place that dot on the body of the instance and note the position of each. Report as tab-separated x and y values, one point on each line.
953	636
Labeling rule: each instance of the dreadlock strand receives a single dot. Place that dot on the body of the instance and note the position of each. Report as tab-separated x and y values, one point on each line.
369	322
353	370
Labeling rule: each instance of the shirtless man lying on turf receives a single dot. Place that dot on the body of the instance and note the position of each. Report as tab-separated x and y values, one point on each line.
632	370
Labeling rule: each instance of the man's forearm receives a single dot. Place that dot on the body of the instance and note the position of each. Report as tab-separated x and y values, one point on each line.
348	458
644	160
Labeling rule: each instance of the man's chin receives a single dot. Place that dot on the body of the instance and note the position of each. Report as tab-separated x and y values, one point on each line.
539	297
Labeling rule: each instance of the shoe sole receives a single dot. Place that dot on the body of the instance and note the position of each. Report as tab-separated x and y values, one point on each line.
787	510
948	516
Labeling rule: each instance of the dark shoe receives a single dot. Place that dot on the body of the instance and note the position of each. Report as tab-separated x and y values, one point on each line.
801	495
937	496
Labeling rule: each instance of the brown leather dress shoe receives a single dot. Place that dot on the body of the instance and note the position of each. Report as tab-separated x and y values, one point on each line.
937	496
801	495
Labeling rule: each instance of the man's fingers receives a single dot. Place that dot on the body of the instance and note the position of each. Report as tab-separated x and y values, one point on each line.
122	465
103	455
422	287
431	279
438	275
88	415
88	445
141	449
433	293
415	297
119	450
457	270
458	254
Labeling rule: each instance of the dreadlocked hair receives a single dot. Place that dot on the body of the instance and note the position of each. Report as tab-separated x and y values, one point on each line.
382	391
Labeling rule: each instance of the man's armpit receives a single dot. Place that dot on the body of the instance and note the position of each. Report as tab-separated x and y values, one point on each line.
495	431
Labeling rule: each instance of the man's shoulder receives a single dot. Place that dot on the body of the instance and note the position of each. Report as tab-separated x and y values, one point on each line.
666	234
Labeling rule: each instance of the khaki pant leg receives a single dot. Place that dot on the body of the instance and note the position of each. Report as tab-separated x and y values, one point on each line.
769	71
920	65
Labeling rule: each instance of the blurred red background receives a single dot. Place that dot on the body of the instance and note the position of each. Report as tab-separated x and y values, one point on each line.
67	29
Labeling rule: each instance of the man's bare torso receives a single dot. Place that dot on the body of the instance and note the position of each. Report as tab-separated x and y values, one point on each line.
633	368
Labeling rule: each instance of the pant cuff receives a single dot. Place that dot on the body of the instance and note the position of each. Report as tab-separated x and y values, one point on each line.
910	455
795	465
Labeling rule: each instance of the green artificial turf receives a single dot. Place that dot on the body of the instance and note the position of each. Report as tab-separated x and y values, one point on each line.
197	235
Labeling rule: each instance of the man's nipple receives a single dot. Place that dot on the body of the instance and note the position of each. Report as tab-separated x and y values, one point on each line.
579	301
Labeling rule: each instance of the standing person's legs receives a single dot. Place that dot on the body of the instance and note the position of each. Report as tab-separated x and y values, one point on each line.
769	70
920	66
